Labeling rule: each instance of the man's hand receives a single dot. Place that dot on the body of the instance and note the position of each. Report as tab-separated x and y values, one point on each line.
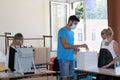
81	46
77	49
85	46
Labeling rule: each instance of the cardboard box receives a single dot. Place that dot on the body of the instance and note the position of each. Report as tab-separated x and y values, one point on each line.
41	55
2	66
87	60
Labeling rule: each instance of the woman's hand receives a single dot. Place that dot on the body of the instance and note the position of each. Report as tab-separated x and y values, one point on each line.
104	67
9	70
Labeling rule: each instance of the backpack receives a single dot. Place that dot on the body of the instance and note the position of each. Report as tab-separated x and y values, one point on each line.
56	65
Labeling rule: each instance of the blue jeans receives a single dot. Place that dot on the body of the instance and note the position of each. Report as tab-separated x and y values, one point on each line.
66	68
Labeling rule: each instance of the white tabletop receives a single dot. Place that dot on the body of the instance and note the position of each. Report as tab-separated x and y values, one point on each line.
110	72
18	75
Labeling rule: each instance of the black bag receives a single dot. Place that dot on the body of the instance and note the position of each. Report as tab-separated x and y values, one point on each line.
56	65
105	57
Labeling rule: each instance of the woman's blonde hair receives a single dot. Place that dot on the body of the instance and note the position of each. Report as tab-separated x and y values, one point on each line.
17	36
103	31
109	32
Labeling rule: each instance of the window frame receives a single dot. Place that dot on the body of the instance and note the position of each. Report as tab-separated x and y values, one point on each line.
51	3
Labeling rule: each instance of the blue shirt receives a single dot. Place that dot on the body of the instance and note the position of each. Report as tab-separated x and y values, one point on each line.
65	53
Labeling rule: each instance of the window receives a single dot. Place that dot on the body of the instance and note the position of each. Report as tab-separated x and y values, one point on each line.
93	19
93	34
80	35
59	15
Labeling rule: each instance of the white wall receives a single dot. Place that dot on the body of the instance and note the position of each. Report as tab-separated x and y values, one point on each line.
67	1
29	17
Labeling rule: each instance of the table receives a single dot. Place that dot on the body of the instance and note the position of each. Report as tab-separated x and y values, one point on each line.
7	76
107	72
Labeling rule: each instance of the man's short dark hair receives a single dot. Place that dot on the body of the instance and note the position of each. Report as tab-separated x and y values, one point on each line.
73	18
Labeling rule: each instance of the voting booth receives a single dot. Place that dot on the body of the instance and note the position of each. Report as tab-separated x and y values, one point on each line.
24	60
87	60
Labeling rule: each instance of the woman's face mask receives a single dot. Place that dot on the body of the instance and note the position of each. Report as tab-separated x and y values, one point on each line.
105	40
18	42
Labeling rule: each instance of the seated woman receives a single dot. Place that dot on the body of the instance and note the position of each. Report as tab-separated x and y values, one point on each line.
17	42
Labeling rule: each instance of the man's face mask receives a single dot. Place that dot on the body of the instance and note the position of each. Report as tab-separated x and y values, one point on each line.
73	26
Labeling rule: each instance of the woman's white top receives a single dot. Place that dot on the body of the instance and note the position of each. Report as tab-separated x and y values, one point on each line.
109	47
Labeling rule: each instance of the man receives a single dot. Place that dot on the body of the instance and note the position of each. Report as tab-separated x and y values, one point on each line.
66	47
